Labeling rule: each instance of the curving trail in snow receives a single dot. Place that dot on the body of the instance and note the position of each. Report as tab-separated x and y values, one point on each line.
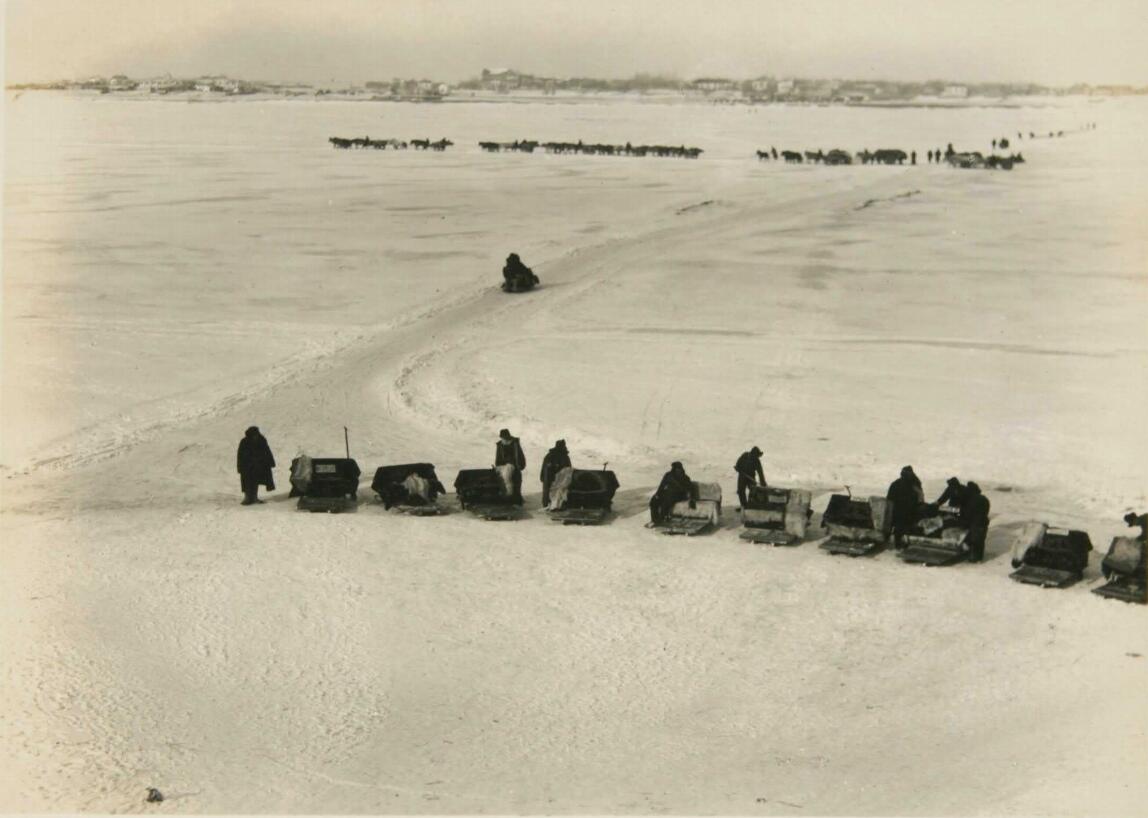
264	660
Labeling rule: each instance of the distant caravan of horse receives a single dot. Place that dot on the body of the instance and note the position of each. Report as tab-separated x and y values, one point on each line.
383	144
592	149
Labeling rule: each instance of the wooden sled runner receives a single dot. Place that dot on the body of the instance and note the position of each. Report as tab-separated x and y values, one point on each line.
775	516
857	527
1050	557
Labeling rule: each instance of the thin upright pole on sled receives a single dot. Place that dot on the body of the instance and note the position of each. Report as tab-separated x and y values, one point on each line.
347	442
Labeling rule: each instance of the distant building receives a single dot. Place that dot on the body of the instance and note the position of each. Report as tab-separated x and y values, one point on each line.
955	91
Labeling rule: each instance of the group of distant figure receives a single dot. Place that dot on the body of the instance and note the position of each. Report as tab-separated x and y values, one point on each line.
394	144
592	148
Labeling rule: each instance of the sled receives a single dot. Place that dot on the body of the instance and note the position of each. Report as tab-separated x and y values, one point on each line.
858	527
775	516
331	487
1124	568
1049	557
485	494
587	497
689	522
409	488
938	538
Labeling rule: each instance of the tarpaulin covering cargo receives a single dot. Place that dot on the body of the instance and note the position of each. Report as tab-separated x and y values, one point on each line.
1124	567
1125	556
394	486
333	477
481	486
591	489
852	518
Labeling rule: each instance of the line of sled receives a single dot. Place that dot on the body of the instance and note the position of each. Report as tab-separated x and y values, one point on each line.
856	526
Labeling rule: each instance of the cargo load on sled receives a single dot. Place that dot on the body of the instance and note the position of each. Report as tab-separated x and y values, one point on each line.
704	516
488	493
1050	557
776	516
1124	568
582	496
409	488
858	527
938	537
325	483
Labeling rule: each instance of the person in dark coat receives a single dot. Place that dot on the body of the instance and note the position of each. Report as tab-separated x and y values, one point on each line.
514	270
975	515
906	495
254	463
749	473
1141	520
676	485
508	451
954	494
555	461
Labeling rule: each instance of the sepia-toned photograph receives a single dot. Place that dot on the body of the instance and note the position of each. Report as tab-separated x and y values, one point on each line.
433	407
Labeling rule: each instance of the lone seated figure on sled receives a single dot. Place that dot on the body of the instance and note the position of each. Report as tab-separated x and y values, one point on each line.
675	487
517	277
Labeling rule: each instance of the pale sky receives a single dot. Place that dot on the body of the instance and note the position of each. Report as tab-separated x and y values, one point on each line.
324	41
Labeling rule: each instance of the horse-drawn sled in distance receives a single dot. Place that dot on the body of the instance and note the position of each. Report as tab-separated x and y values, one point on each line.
328	484
1050	557
936	538
775	516
409	488
858	527
489	493
582	496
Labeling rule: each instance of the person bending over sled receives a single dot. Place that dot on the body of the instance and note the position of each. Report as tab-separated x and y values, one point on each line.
516	275
676	486
254	463
508	452
954	494
749	473
906	495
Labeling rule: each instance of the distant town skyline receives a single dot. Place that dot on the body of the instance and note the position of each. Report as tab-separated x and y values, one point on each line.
355	41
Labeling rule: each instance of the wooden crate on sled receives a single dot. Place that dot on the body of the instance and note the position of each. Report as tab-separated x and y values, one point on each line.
775	516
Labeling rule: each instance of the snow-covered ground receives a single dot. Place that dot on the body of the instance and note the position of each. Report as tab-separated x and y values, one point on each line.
174	272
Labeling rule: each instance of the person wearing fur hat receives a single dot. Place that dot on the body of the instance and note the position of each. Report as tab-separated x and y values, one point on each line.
557	459
749	473
254	463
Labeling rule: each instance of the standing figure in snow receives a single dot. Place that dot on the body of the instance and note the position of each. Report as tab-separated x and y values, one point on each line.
254	463
555	461
676	486
749	473
954	494
906	495
975	514
508	452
